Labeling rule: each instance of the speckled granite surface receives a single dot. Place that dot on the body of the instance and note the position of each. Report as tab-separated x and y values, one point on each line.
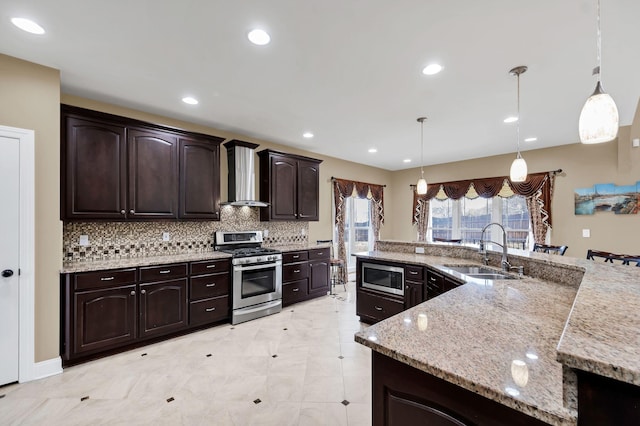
98	265
572	313
495	338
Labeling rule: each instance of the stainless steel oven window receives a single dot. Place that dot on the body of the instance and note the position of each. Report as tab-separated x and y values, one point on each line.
256	284
260	281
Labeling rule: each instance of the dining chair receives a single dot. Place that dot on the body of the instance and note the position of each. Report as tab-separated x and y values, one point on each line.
447	240
544	248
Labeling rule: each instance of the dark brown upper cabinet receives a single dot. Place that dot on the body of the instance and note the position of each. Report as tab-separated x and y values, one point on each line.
116	168
290	184
199	179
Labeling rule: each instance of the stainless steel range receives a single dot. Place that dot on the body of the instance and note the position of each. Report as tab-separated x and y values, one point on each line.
257	275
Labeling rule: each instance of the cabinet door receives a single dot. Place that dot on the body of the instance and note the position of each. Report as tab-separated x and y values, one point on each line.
319	276
95	170
284	189
153	171
308	190
163	307
413	294
199	179
104	319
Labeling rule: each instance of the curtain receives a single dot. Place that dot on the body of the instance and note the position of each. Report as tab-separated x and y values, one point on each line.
343	189
537	189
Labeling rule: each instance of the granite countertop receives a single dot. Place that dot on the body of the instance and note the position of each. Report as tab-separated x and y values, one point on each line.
130	262
495	338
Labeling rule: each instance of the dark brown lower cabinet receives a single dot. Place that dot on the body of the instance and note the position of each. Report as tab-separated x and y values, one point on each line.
163	307
605	401
413	294
374	306
319	276
403	395
104	318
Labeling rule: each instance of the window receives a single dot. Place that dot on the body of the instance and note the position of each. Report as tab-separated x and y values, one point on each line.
465	218
358	230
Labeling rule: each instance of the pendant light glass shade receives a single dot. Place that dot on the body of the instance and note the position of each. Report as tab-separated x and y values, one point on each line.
518	171
599	119
421	186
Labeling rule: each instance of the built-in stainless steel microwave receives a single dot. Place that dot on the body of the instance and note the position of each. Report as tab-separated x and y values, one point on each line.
389	279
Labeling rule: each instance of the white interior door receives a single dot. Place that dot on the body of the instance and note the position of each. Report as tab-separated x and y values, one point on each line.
9	258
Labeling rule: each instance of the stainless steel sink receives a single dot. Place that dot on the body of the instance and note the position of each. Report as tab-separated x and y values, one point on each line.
493	276
472	269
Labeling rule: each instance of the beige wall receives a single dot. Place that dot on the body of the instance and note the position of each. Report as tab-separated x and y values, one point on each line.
582	165
30	99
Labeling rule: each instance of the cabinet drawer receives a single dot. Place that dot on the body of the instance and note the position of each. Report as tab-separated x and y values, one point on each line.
377	307
209	267
435	285
97	279
322	253
414	273
207	286
295	271
294	291
208	310
294	256
162	273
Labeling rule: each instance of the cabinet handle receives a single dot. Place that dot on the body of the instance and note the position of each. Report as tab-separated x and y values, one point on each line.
166	271
406	287
211	266
413	272
295	290
133	293
143	291
123	211
433	280
217	213
378	308
295	214
131	211
211	285
210	309
295	271
107	278
296	256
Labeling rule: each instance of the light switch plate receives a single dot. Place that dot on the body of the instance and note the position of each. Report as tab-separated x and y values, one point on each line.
586	233
636	143
166	236
84	240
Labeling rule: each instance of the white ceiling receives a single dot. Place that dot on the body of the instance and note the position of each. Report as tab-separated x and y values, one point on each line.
347	70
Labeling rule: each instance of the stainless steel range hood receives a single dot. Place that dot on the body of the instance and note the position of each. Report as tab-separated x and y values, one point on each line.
242	177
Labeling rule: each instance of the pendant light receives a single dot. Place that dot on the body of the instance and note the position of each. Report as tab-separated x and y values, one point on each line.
599	117
421	187
518	171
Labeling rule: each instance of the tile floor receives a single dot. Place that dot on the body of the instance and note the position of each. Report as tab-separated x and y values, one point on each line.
299	367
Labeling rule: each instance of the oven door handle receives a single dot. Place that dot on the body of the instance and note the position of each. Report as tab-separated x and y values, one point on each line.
240	268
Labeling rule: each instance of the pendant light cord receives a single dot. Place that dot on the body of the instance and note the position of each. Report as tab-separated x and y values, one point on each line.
598	70
518	123
422	148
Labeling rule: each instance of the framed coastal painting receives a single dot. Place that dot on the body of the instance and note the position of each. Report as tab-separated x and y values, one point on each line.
607	197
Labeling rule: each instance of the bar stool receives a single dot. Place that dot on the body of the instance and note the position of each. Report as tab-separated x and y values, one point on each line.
337	268
543	248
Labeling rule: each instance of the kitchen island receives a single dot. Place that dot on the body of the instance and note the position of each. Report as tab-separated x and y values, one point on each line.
512	345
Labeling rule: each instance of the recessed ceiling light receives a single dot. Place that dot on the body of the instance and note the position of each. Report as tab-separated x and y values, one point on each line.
259	37
511	119
406	160
432	69
27	25
373	150
531	139
307	135
190	100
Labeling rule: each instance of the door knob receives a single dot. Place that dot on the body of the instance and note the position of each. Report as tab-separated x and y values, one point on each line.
7	273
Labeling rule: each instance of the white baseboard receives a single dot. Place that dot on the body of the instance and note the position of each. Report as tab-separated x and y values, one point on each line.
47	368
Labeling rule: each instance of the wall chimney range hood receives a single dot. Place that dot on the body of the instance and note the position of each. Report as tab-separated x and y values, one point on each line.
241	177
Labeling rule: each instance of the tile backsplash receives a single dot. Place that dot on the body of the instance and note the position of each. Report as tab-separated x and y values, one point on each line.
113	240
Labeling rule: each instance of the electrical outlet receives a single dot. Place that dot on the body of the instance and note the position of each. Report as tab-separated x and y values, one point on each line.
166	236
303	231
420	250
586	233
636	143
265	233
84	240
